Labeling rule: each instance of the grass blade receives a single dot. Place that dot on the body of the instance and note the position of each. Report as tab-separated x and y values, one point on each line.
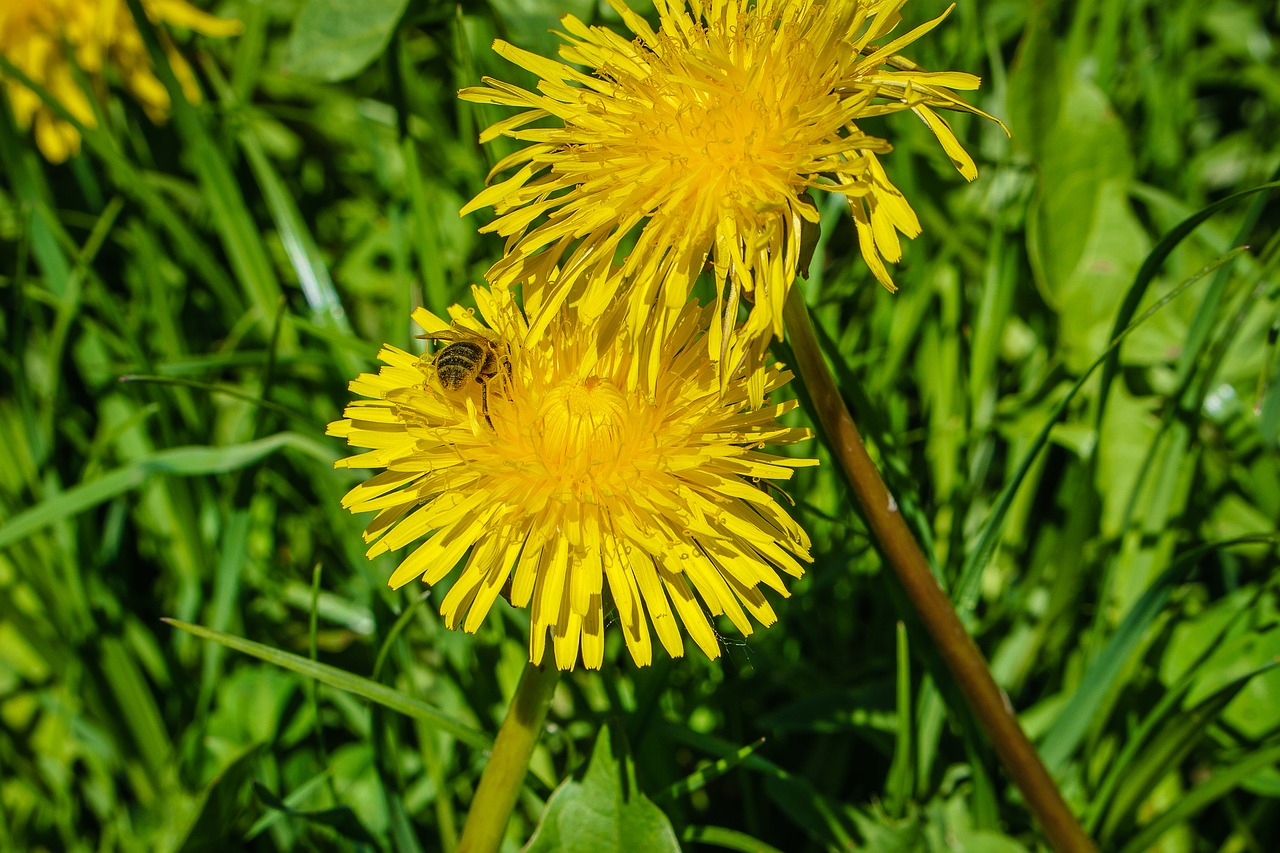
1077	716
729	839
705	775
241	236
1184	731
1147	273
342	680
183	461
966	590
1202	796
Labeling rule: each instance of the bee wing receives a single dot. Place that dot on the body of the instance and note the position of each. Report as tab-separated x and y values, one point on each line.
453	334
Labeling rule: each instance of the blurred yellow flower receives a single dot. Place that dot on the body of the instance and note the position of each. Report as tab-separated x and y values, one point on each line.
49	39
703	139
573	486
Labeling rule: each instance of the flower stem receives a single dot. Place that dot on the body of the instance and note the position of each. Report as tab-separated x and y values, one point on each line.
503	776
959	652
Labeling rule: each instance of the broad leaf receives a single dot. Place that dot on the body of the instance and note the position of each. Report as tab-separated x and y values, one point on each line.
604	810
333	40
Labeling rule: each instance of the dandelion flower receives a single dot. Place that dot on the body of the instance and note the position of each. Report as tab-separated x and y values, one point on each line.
575	488
702	140
48	40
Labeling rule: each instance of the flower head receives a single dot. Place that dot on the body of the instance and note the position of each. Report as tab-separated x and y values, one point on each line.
48	40
702	140
571	484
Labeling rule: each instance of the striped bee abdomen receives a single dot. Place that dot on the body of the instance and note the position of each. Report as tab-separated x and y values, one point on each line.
462	362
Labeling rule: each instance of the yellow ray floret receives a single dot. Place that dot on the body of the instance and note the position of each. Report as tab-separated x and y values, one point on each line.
700	142
51	41
582	488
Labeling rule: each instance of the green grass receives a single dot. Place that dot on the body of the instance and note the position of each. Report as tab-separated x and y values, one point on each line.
1110	537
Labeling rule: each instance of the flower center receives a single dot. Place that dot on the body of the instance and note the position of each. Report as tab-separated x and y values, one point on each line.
734	136
720	122
583	435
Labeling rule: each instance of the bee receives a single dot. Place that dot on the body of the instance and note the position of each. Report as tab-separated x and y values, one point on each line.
462	362
468	357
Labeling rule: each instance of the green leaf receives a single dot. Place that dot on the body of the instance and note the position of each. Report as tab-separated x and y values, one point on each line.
1197	635
1269	406
133	183
901	782
604	810
884	834
296	238
730	839
241	236
965	591
530	24
704	776
1175	741
1204	795
123	676
1078	714
1229	659
828	821
1033	83
858	708
1130	431
1085	242
1147	273
986	841
183	461
341	820
1253	713
333	40
222	804
343	680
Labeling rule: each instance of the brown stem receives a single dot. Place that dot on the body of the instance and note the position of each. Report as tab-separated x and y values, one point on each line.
503	776
989	703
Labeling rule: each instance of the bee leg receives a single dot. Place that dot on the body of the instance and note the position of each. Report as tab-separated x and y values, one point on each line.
484	401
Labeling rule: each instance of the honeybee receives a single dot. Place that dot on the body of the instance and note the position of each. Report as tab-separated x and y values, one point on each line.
467	357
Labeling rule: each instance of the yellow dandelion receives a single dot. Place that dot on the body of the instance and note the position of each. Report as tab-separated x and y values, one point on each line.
48	40
703	140
578	492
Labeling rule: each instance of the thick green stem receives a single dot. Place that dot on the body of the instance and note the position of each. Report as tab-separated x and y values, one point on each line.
958	651
503	776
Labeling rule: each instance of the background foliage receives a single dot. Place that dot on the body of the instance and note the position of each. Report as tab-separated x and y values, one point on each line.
239	265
